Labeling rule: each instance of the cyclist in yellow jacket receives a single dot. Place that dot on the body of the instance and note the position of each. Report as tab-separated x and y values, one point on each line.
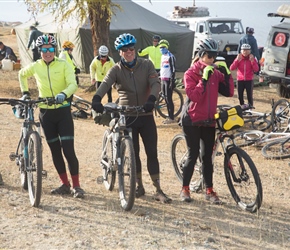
153	52
55	78
99	68
66	54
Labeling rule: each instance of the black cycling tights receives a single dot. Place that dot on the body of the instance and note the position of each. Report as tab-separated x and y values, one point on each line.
58	128
145	127
167	91
193	135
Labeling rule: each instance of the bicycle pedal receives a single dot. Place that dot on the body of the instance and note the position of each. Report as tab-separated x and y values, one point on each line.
44	174
12	156
100	179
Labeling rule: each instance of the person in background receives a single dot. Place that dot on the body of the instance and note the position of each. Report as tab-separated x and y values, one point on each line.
153	52
203	82
33	35
55	78
167	76
7	53
99	68
66	54
245	64
251	40
137	84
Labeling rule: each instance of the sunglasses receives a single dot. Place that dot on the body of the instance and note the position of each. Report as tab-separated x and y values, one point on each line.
45	50
211	55
127	48
103	56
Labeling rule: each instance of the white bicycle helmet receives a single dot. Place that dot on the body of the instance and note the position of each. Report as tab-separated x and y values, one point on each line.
45	39
246	46
124	40
103	51
207	45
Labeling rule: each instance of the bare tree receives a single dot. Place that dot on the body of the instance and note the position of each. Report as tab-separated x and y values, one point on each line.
98	11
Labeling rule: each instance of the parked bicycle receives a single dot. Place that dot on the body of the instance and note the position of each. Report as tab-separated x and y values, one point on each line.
280	116
118	152
275	145
161	105
28	154
241	174
81	108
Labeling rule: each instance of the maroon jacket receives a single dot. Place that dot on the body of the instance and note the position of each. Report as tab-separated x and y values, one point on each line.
202	105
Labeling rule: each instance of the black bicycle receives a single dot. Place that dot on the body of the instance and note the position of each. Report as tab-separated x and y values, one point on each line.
81	108
28	154
241	174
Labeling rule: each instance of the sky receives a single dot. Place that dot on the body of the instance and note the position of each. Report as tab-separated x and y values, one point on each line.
252	12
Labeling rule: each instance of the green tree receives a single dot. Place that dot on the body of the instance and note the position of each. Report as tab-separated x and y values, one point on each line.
98	11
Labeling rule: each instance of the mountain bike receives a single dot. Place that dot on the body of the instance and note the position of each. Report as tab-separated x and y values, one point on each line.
161	105
118	152
28	154
241	174
81	108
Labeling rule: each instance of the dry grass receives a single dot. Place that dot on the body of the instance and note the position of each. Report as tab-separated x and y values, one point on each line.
98	222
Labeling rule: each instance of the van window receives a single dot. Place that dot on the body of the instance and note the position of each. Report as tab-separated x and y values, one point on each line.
280	39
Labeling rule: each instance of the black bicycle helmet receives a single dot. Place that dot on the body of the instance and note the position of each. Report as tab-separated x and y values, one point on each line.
124	40
156	37
207	45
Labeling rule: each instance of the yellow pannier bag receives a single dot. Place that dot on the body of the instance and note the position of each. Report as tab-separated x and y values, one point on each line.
230	119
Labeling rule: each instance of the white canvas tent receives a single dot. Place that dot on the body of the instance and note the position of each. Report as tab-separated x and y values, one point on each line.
132	18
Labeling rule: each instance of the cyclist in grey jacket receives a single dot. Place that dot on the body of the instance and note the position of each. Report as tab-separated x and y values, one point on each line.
137	83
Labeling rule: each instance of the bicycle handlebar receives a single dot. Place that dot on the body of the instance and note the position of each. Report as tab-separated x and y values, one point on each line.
49	100
113	107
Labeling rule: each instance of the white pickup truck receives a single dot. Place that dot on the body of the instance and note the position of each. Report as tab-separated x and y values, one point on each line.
225	30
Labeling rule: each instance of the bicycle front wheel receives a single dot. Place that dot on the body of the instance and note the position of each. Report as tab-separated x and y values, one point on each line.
279	149
243	179
127	174
109	173
280	116
161	105
34	170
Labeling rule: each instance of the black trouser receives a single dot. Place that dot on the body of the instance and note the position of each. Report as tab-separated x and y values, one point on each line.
193	135
248	86
167	91
109	93
145	127
58	128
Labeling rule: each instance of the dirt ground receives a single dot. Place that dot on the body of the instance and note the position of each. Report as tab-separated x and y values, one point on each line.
98	222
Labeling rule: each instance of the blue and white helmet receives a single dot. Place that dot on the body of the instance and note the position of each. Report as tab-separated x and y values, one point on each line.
124	40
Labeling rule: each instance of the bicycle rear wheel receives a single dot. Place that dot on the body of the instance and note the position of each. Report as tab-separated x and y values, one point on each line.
177	99
34	170
261	123
243	179
109	173
279	149
179	155
127	174
280	115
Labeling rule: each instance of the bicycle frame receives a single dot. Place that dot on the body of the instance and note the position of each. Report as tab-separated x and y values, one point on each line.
264	137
